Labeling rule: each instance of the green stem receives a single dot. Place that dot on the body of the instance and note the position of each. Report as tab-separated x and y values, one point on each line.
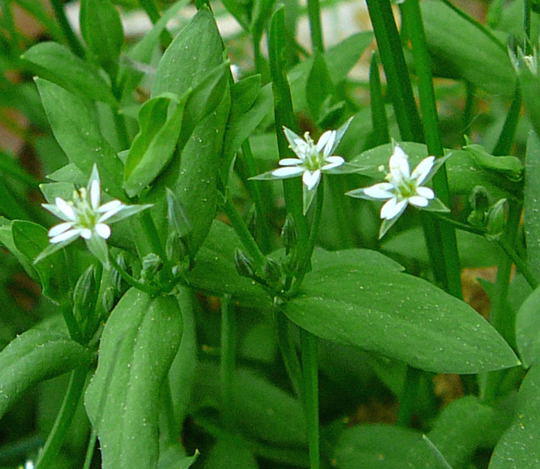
311	394
469	107
152	234
71	323
132	282
395	68
506	137
288	352
63	420
379	119
228	360
315	26
520	263
408	397
90	450
448	244
527	5
243	233
151	10
74	43
255	190
284	116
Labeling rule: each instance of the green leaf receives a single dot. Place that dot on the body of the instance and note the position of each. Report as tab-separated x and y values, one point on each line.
463	172
384	447
137	347
230	453
131	74
101	28
449	37
319	86
30	240
400	316
194	60
75	126
528	329
518	448
174	458
34	356
58	64
531	199
509	166
195	51
160	121
466	425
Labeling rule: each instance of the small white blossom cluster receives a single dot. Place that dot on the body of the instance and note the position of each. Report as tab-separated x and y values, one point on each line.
402	187
84	216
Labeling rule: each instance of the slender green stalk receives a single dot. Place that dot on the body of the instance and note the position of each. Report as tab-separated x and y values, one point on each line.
256	191
379	120
408	397
151	10
448	244
311	394
506	137
284	116
71	323
228	359
469	107
90	450
396	71
132	282
520	263
315	26
243	233
152	234
63	420
288	352
527	5
72	40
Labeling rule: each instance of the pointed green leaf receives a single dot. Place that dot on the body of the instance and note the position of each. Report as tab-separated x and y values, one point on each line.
137	347
400	316
58	64
35	356
75	125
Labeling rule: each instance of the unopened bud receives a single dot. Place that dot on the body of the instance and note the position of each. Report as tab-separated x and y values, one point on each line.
272	271
244	265
85	294
496	219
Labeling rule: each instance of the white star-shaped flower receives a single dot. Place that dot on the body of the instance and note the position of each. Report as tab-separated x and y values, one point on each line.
402	187
85	217
312	159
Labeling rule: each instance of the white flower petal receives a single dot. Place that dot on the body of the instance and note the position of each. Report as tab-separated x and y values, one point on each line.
66	236
418	201
311	179
423	169
58	229
290	161
287	171
425	192
399	164
65	208
112	205
380	191
86	233
333	162
393	208
326	143
95	194
103	230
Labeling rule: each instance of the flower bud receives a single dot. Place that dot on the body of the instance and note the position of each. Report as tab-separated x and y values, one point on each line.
244	265
85	294
272	271
479	200
496	219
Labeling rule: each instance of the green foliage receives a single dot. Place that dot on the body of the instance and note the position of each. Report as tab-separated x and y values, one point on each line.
35	356
138	345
